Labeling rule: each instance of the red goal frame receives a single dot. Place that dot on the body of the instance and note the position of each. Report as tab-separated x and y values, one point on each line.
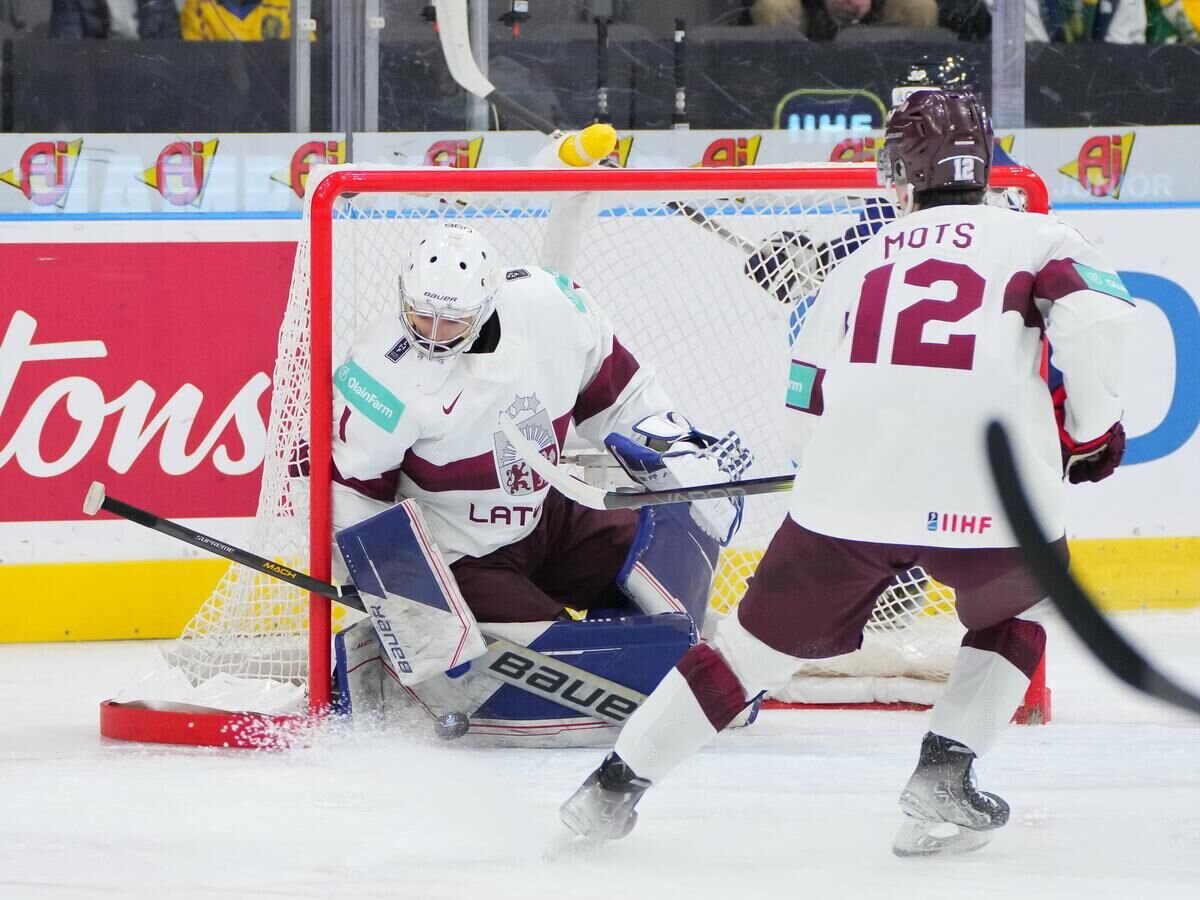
835	176
208	727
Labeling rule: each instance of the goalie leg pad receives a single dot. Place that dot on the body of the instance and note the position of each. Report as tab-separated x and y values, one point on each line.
670	564
423	623
551	709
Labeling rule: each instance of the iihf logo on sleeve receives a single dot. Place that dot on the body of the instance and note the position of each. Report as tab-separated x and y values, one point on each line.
958	522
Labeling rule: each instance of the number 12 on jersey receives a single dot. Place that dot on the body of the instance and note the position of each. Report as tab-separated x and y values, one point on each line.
909	347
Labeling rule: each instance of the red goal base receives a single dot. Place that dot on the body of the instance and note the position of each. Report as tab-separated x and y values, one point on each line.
199	727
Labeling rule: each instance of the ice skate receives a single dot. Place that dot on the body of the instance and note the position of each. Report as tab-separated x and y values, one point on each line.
946	813
603	807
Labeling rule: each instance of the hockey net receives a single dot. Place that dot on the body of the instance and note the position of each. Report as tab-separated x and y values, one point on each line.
664	253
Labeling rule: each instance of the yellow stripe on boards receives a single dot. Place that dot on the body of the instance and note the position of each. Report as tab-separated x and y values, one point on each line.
1139	573
124	600
1121	573
103	601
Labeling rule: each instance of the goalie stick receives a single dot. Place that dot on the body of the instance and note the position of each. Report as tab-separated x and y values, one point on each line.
529	670
1078	609
456	47
596	498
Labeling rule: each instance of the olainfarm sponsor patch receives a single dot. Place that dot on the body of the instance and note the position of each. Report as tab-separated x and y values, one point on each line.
1105	282
368	396
804	388
569	289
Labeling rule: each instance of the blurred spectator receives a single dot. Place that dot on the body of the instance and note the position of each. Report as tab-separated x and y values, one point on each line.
231	20
12	18
1173	21
1035	27
971	20
1083	21
1087	21
114	18
822	19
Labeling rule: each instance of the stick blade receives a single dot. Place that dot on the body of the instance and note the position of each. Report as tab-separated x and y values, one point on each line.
456	47
570	487
94	499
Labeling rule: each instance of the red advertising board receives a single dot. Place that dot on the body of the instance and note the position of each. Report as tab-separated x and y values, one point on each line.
143	365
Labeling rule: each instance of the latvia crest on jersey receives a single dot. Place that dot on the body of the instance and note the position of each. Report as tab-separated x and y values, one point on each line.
534	421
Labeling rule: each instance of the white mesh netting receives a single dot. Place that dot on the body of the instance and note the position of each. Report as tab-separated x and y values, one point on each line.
680	300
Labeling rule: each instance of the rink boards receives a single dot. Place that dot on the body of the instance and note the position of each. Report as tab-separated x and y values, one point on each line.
156	382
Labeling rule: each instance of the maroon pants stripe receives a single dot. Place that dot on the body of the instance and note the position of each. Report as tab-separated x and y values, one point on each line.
1019	641
717	689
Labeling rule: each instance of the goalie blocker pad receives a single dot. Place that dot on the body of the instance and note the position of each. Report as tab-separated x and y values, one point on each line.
415	607
552	711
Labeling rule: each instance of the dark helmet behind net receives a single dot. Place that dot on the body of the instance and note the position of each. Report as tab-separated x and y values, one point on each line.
951	72
937	140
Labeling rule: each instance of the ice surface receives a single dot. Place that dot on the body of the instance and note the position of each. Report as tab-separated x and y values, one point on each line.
1106	803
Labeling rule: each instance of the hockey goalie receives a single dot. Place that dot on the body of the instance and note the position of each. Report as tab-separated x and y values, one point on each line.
441	519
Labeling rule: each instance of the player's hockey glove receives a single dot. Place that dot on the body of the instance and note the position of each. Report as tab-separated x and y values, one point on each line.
788	266
667	452
1092	460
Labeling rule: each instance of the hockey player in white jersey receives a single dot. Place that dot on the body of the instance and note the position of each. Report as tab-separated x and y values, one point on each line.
417	415
914	343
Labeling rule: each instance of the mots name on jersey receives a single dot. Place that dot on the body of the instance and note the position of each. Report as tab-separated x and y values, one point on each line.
916	238
504	515
958	522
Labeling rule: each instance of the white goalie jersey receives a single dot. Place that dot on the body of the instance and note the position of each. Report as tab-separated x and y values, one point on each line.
410	427
922	336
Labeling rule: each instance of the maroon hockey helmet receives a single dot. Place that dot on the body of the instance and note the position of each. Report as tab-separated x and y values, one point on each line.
937	139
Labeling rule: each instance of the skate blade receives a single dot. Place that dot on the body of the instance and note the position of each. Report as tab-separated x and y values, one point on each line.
918	837
566	844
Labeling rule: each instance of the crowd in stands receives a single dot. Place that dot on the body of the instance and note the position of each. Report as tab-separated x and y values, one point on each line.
1062	21
1068	21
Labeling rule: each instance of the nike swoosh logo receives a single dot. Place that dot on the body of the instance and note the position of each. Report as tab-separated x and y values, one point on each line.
449	409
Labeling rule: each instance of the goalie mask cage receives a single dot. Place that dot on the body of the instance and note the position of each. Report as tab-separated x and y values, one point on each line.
665	253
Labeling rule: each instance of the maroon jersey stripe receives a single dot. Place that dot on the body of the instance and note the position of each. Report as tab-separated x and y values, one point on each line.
1018	298
476	473
615	373
381	488
1057	279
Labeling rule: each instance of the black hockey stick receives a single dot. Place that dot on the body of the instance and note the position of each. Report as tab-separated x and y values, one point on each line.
679	115
1077	608
603	68
97	499
536	673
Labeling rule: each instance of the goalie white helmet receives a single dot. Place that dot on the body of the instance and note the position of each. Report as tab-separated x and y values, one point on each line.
448	290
